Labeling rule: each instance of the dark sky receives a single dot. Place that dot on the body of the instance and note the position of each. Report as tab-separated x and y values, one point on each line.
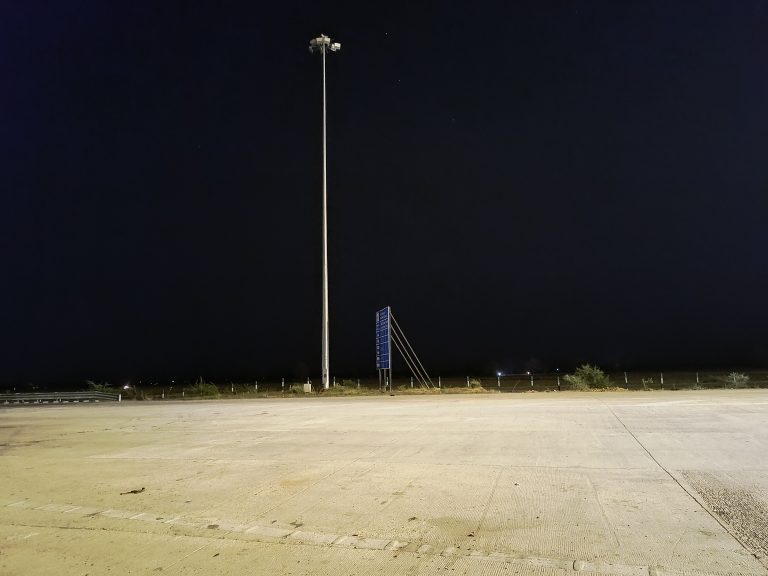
525	183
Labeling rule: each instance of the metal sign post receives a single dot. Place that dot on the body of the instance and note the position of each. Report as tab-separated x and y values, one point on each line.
389	333
384	345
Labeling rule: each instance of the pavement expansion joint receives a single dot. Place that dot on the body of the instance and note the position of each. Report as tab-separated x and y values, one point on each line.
271	534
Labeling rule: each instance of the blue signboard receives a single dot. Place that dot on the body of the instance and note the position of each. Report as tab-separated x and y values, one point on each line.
383	357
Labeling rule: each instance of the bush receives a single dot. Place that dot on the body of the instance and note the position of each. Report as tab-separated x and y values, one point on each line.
133	393
205	389
103	387
736	380
587	377
647	383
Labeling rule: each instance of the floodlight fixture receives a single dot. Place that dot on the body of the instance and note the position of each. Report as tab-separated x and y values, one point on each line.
322	43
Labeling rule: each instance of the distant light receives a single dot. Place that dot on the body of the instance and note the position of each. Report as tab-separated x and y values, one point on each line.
126	387
498	373
527	371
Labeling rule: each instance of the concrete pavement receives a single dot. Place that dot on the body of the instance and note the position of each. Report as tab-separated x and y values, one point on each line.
623	483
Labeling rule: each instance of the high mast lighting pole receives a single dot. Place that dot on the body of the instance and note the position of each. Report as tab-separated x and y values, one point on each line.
323	44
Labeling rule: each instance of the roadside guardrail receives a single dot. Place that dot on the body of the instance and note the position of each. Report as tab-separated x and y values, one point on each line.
58	397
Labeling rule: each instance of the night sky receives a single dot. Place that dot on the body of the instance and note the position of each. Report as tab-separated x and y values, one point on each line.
527	184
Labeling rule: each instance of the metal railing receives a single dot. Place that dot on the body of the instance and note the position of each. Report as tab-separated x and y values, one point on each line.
508	383
58	397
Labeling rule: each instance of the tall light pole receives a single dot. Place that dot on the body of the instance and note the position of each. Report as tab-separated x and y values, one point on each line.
322	44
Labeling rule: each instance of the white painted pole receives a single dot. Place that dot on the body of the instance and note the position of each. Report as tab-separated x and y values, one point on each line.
323	44
326	355
411	381
498	381
662	379
282	385
697	377
625	379
467	381
531	380
439	383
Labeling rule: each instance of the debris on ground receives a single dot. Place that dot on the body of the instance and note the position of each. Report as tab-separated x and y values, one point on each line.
132	492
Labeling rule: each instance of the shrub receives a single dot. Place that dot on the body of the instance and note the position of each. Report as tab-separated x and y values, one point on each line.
204	388
736	380
586	377
133	393
103	387
647	383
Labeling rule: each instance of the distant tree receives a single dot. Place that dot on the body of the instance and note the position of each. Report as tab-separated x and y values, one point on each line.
737	380
586	377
